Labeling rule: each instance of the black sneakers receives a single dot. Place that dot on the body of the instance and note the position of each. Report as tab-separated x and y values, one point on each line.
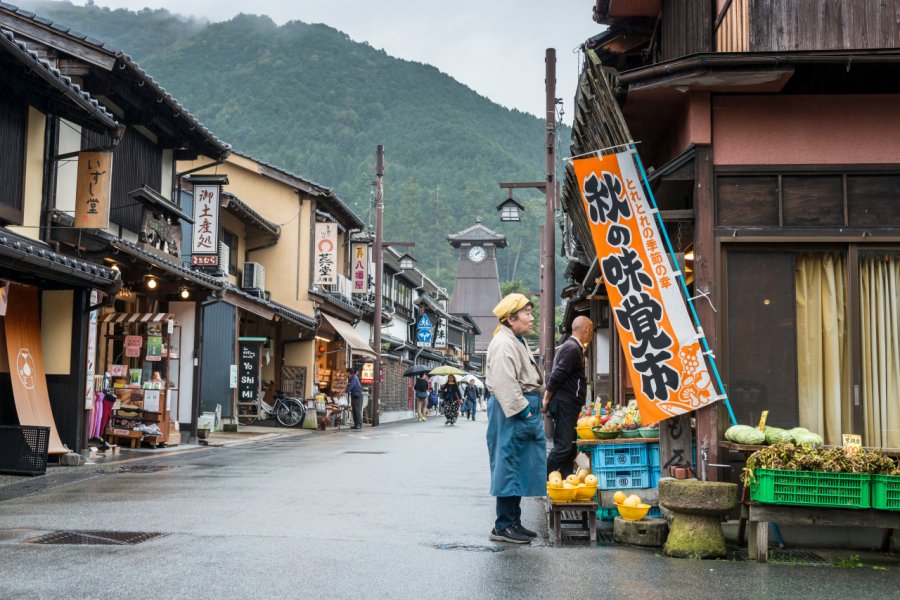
526	532
511	535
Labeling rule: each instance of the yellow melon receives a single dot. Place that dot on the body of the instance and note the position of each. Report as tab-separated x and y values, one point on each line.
573	479
591	480
555	474
632	500
619	497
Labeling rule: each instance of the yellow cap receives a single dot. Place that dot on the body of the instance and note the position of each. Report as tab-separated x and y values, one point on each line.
510	304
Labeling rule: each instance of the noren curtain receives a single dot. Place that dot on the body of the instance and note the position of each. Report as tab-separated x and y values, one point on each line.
879	283
823	356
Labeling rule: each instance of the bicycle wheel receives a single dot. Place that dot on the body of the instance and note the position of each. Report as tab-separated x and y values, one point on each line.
291	412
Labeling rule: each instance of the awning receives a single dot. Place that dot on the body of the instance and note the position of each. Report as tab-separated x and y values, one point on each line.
266	309
117	317
346	331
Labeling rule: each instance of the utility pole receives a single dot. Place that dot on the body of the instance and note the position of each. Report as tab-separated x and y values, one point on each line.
379	265
548	256
548	232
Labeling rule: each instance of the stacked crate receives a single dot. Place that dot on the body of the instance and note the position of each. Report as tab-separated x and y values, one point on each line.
626	467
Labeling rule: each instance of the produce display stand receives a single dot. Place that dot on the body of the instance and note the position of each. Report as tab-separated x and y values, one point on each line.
618	440
574	519
760	515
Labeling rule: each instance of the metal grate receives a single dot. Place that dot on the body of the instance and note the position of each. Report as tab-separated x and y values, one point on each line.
365	452
97	538
784	556
468	548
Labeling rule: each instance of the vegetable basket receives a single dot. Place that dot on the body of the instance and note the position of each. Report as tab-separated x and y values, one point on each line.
811	488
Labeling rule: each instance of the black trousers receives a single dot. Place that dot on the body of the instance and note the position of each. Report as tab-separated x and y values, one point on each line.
356	401
509	512
564	413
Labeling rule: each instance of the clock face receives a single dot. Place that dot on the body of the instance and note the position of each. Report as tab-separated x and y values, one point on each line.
477	253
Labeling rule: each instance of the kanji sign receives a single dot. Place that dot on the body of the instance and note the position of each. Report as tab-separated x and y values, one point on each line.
205	237
325	254
92	190
661	346
359	269
440	333
367	374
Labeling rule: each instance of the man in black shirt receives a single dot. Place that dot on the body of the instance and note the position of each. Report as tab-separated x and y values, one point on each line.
565	394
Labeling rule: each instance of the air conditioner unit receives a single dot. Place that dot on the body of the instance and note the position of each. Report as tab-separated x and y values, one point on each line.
254	277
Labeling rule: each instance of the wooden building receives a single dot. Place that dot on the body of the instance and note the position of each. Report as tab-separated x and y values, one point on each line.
768	129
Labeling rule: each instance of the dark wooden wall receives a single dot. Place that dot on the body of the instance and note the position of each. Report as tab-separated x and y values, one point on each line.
136	162
821	200
782	25
687	28
13	128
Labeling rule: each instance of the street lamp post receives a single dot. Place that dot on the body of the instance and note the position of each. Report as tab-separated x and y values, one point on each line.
548	235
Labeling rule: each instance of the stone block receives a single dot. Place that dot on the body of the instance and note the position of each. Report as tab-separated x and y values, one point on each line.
71	459
646	532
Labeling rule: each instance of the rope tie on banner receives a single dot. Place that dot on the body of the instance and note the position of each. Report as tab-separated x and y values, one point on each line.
689	301
704	295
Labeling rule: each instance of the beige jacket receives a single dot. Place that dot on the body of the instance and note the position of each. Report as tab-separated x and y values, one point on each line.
511	371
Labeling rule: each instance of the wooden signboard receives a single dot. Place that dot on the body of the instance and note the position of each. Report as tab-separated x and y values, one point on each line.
93	189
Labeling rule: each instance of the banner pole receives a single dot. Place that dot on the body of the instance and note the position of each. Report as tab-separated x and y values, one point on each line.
707	352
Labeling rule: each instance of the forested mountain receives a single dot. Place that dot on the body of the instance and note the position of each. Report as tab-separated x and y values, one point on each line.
309	99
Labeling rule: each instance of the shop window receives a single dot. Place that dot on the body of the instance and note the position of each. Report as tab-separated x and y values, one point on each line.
231	242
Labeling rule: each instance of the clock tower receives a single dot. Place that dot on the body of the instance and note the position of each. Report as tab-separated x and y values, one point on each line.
477	288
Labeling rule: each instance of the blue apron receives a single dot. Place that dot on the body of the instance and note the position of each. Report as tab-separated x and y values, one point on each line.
518	450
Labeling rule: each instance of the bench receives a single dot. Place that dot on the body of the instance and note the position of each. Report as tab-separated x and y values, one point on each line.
762	514
573	519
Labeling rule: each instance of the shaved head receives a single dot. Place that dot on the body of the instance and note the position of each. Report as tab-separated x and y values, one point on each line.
583	329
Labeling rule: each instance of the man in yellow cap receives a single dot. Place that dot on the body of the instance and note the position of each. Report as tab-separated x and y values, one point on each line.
515	435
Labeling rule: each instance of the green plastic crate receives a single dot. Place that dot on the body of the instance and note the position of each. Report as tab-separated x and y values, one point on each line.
811	488
886	492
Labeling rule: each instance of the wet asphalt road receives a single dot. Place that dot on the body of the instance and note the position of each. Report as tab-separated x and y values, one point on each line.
401	511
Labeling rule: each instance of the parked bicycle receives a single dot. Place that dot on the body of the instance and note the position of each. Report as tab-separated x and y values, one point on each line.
288	411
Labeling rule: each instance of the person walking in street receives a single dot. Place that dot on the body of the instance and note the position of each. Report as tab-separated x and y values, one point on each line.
354	388
515	434
471	398
451	398
421	388
565	395
433	401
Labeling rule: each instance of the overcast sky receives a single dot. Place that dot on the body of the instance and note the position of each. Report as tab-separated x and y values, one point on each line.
496	47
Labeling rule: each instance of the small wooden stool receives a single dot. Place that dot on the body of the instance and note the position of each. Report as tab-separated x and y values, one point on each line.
575	519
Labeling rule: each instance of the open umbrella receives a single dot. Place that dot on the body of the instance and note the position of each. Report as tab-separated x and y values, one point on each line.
446	370
415	371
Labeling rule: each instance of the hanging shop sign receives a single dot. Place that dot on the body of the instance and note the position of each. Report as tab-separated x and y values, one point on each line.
91	367
440	333
326	254
205	234
661	345
360	268
367	374
92	186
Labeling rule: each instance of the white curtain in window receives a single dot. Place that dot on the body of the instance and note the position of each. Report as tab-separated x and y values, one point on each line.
879	282
823	357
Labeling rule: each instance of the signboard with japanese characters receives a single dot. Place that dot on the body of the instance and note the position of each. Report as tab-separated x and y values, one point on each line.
205	236
367	374
92	188
440	333
661	345
325	254
359	269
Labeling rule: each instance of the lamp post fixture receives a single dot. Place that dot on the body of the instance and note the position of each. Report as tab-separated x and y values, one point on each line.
406	259
548	241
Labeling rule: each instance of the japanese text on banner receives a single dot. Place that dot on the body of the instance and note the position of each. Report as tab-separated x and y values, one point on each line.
205	238
325	254
665	360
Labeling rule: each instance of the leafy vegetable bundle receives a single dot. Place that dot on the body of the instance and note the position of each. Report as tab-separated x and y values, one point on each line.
789	456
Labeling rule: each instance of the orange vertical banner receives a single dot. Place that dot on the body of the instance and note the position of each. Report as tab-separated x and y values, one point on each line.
22	326
661	345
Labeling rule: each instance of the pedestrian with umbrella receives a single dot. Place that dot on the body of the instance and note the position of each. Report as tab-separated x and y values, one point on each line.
451	398
515	434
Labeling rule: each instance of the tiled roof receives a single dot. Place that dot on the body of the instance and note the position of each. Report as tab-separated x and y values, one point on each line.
123	61
243	210
59	81
477	233
165	264
281	310
39	256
